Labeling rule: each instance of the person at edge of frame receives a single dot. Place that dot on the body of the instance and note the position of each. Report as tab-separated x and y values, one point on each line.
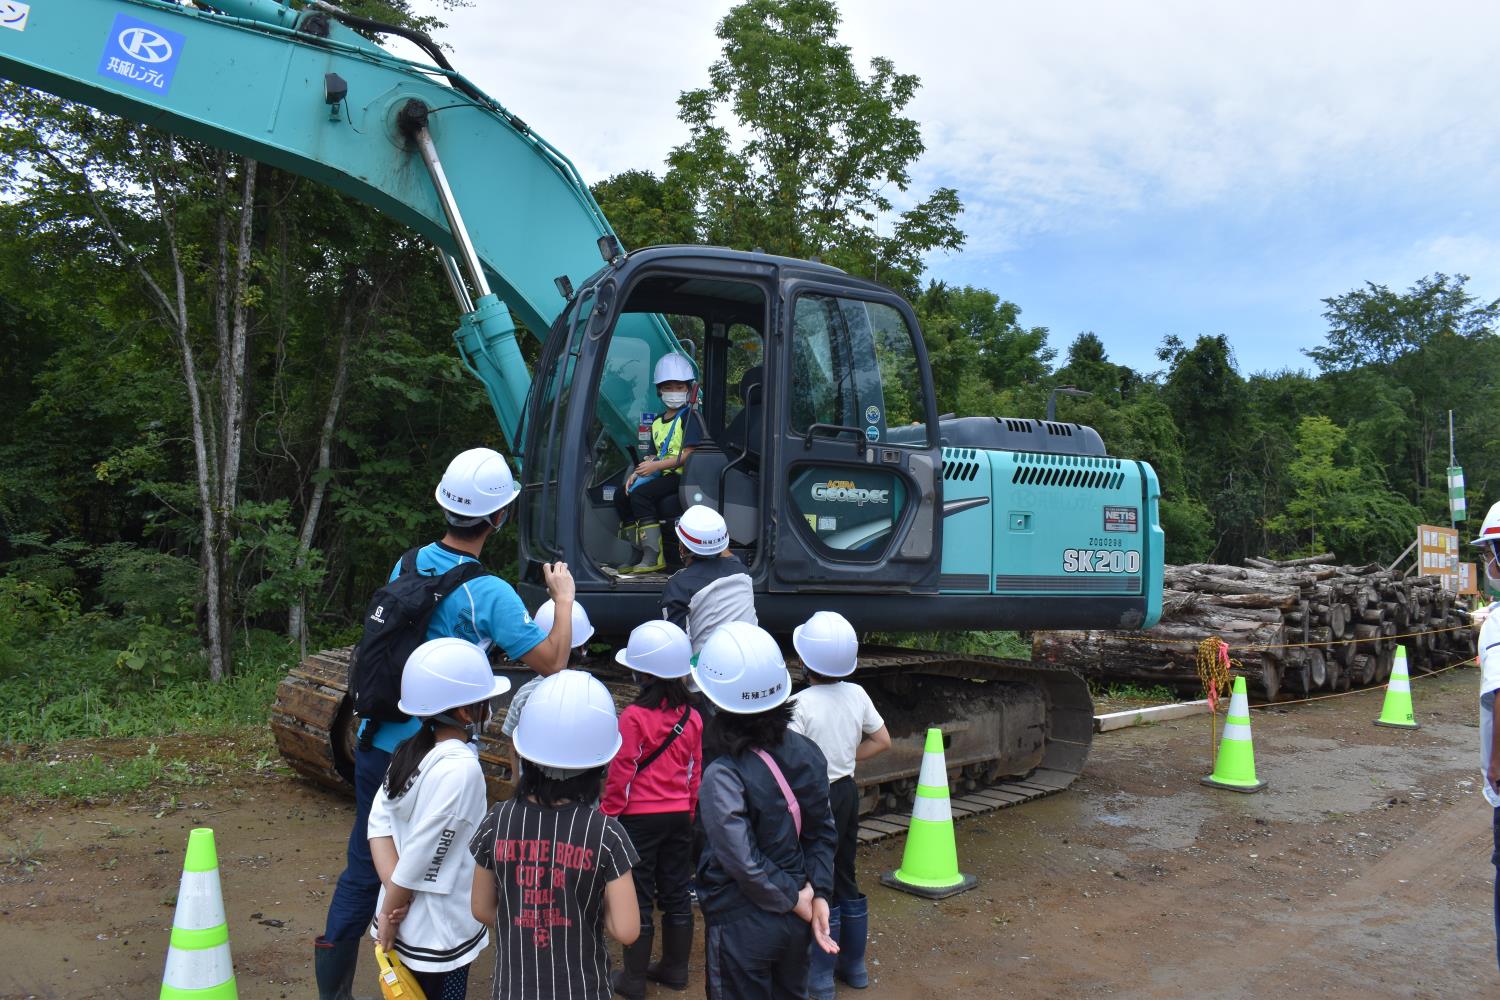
1488	543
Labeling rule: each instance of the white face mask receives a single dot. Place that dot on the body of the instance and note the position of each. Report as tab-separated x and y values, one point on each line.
674	399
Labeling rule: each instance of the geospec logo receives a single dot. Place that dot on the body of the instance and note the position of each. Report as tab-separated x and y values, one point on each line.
145	45
844	491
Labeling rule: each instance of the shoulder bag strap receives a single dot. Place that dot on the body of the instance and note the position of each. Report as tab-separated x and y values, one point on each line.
676	732
792	805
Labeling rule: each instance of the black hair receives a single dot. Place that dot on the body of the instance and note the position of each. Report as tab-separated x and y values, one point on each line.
553	792
470	532
813	677
407	759
738	733
655	690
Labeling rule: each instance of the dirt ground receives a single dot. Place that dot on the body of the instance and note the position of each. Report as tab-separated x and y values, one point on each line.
1362	871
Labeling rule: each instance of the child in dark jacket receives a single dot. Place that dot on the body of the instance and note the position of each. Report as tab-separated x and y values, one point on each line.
653	787
767	871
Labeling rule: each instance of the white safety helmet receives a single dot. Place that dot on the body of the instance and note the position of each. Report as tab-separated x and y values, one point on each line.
569	724
827	644
583	629
444	674
1488	542
703	531
659	648
673	368
741	669
478	483
1489	531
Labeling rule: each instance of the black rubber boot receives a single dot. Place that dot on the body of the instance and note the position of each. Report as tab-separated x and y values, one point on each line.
334	963
676	946
629	980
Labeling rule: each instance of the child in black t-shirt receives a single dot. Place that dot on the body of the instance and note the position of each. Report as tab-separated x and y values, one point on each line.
551	870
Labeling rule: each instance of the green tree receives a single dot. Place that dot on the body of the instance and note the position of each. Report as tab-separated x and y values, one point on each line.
792	150
1340	502
977	345
1088	367
645	210
1396	362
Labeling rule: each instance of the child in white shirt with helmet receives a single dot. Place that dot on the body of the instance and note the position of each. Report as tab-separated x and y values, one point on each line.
840	718
433	798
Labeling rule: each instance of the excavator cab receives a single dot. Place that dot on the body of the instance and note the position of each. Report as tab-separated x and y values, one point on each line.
821	432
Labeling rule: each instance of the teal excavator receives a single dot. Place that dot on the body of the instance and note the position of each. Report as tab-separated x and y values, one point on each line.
843	486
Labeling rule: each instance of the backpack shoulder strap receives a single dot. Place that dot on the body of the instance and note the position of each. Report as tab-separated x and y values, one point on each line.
409	562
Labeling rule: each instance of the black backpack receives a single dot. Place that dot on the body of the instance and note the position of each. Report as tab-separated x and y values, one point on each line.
395	625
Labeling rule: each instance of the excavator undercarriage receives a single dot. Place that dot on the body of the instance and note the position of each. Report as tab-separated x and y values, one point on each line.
1012	730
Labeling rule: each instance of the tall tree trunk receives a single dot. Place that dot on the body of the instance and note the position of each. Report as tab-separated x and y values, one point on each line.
231	317
297	616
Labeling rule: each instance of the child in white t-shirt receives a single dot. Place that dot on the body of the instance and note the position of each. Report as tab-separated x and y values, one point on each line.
839	717
431	802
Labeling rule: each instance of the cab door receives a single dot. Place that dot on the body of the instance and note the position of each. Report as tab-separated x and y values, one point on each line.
858	460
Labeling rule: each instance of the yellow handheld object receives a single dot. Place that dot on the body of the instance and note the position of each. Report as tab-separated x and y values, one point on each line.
396	980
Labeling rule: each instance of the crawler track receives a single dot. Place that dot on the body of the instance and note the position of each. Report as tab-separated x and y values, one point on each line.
1014	730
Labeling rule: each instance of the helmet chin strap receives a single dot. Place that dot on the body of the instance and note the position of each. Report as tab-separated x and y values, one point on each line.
473	729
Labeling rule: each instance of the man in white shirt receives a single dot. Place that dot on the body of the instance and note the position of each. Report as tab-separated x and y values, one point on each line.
1488	544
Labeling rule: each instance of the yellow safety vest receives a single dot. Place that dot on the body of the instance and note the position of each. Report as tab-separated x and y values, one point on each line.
667	435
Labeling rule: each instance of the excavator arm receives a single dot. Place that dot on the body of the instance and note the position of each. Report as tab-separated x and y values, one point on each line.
300	90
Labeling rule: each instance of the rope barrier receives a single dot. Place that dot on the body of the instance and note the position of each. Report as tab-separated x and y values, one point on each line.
1254	648
1363	690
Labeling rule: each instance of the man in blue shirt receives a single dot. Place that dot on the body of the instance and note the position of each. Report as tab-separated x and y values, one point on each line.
474	494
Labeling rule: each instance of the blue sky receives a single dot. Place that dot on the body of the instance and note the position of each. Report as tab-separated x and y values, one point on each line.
1134	170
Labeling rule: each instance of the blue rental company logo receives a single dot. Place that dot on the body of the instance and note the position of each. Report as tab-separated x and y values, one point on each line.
141	54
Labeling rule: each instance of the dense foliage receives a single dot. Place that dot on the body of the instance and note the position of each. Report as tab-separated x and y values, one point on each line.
315	337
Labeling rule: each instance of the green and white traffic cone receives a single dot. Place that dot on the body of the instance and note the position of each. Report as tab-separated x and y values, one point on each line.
929	864
1397	712
198	962
1234	768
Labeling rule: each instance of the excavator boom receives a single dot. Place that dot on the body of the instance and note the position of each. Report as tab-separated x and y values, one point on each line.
301	91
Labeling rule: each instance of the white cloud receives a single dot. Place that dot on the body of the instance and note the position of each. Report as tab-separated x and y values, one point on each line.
1253	156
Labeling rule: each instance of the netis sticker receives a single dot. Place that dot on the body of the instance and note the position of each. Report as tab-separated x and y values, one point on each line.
1121	519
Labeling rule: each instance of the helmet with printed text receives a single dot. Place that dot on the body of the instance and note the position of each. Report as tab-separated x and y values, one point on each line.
741	669
478	482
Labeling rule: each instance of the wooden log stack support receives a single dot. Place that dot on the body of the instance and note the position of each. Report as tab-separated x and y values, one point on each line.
1296	626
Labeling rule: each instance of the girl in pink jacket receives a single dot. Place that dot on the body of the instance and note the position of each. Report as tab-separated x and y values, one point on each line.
653	788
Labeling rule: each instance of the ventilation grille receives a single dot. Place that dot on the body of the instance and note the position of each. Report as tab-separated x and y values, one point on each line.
1079	472
960	464
1080	584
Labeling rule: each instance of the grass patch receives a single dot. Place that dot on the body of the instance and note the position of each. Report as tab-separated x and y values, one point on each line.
1007	645
84	772
81	692
25	855
1152	694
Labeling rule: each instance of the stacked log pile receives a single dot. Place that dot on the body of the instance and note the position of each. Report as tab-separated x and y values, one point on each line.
1297	626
